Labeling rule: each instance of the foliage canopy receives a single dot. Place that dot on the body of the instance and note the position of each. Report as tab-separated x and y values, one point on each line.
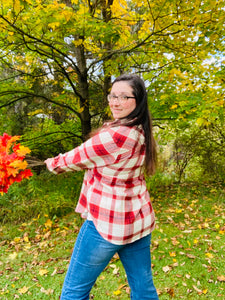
58	58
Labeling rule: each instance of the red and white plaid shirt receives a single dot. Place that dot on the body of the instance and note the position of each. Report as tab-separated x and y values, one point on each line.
114	194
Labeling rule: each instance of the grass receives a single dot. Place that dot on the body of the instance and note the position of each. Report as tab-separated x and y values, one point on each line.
187	250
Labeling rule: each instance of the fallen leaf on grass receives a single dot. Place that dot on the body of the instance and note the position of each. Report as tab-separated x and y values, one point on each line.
17	239
48	291
23	290
117	293
170	291
26	239
200	292
221	278
116	270
43	272
197	289
48	223
191	256
209	255
122	286
175	241
56	271
166	269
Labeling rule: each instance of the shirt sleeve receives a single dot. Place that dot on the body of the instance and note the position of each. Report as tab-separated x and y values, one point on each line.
105	148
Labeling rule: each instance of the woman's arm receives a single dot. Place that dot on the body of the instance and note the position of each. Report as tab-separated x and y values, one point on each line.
105	148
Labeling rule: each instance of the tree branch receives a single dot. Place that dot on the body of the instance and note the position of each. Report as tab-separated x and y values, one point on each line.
32	95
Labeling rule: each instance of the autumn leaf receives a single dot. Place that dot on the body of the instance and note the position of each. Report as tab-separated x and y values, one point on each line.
209	255
18	164
221	278
173	106
171	292
48	223
117	293
23	290
17	239
166	269
43	272
12	166
47	292
26	239
205	291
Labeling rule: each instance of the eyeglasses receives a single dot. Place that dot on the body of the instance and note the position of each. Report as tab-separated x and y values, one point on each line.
120	98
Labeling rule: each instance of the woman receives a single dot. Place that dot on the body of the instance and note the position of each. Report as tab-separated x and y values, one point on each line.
114	198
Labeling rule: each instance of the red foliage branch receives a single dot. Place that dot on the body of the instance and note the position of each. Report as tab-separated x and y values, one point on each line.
12	163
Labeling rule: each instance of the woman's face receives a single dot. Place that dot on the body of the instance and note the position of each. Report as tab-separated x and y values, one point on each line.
121	107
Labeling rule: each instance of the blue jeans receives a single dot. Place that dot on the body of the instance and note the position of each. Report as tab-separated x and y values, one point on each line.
92	254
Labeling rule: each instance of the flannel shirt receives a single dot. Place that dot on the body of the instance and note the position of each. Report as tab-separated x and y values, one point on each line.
114	194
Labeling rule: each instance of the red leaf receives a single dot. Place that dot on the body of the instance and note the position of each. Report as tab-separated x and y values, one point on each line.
12	164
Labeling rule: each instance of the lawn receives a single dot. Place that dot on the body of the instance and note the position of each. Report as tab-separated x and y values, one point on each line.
187	250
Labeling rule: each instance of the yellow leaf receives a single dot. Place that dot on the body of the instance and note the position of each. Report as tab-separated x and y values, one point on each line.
43	272
23	290
48	223
67	15
26	239
206	225
172	254
173	106
12	171
205	291
78	42
209	255
12	140
36	112
195	241
18	164
17	6
81	109
53	25
220	102
17	239
23	151
117	293
217	226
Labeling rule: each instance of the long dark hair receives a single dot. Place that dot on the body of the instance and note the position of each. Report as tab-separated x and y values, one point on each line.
141	115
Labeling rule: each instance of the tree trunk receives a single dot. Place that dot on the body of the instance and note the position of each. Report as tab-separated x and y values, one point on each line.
83	89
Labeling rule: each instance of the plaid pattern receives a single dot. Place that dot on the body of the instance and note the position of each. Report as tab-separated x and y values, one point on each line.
114	194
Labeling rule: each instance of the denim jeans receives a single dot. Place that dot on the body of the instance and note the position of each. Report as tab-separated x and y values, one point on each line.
92	254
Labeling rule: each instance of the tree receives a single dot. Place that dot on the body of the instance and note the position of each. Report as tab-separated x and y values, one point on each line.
60	57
